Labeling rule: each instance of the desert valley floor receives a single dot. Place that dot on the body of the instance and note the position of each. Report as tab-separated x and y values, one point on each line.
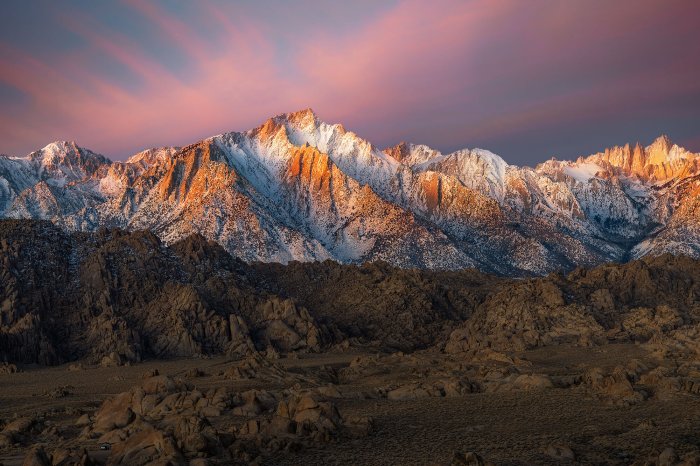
551	417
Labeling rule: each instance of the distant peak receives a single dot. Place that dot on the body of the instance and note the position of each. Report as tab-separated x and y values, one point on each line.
61	146
304	120
152	155
67	152
399	152
663	142
411	154
308	111
55	150
305	117
403	147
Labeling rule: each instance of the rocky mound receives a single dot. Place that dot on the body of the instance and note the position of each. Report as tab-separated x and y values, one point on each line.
116	297
169	421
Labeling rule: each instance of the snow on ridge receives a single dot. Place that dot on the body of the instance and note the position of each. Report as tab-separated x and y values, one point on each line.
477	169
152	155
495	161
261	217
582	172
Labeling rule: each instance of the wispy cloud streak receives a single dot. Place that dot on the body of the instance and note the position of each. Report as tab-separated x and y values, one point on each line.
504	74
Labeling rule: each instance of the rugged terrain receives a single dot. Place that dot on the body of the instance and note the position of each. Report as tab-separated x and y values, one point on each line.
297	188
181	353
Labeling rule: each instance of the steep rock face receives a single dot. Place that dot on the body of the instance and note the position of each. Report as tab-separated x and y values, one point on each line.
62	162
678	225
115	296
477	169
51	182
660	161
15	177
32	268
296	188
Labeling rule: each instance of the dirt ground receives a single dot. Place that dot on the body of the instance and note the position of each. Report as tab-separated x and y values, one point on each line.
505	427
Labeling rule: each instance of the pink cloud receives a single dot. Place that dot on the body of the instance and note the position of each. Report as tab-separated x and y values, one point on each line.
117	46
164	109
420	40
455	71
438	56
176	29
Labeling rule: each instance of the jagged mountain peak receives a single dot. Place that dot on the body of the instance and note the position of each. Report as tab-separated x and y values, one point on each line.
349	151
296	127
64	161
399	152
304	118
58	151
151	156
663	150
465	158
298	188
663	142
55	151
411	154
422	157
60	146
660	161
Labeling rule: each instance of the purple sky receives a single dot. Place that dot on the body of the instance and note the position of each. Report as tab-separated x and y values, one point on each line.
526	79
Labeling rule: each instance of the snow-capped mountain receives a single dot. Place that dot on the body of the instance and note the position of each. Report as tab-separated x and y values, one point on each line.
297	188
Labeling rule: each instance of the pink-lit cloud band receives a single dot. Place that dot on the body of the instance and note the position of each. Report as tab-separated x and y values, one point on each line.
527	79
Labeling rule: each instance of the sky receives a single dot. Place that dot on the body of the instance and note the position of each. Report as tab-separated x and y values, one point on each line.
528	80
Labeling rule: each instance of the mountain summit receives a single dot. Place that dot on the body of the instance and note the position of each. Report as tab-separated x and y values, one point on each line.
297	188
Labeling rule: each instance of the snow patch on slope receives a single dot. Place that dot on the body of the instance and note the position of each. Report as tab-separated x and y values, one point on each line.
477	169
582	172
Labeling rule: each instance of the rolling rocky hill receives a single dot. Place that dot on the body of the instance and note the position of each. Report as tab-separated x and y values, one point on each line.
115	296
299	189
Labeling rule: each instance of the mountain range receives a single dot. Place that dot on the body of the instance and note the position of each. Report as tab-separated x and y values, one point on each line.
299	189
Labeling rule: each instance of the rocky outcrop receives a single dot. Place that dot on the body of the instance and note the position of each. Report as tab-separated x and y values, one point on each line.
116	297
525	316
402	309
168	420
